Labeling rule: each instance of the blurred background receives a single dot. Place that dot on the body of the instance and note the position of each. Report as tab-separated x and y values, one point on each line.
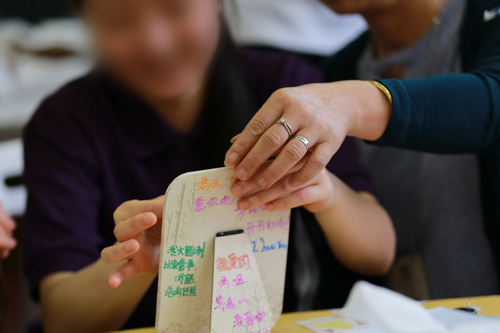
41	47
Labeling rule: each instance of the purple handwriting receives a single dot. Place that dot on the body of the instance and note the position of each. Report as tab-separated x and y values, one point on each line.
263	225
233	262
249	319
200	203
238	281
241	213
229	304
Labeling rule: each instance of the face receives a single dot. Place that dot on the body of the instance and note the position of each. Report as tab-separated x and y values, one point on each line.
161	49
359	6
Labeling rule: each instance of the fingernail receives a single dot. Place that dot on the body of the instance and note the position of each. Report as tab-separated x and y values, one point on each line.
244	204
294	183
237	190
226	164
261	183
242	174
232	158
234	138
269	207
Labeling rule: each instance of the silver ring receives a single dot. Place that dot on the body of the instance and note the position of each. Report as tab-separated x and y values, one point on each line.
303	140
288	128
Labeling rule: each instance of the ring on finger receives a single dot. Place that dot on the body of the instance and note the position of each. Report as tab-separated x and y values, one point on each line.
288	128
303	140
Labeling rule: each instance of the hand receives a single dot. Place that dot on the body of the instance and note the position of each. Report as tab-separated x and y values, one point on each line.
315	196
139	238
7	241
322	113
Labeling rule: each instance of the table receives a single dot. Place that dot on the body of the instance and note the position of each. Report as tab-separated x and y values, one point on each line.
490	306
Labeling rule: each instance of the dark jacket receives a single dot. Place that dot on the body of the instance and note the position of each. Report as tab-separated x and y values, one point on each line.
455	113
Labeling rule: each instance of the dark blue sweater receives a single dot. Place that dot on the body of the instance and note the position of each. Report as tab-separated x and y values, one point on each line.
456	113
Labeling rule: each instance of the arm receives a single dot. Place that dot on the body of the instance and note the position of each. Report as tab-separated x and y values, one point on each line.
64	229
7	241
358	229
135	258
84	302
448	114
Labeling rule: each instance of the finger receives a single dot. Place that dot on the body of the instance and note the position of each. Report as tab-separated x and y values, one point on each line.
293	152
234	138
122	273
6	221
280	189
304	196
120	251
243	187
260	123
135	207
133	226
320	157
7	242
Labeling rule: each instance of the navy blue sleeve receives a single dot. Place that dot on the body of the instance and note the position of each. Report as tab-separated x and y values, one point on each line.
456	113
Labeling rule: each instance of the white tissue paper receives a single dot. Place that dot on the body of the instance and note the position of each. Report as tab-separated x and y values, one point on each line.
387	311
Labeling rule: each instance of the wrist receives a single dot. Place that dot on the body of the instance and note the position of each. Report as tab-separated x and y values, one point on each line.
371	109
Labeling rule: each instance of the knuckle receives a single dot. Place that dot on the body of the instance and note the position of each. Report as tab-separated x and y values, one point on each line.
283	96
317	164
293	152
272	140
256	127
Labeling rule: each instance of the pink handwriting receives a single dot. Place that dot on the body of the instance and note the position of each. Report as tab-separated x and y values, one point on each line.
200	203
229	304
262	225
238	281
241	213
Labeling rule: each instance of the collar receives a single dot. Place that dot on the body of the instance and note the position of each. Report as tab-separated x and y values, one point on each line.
146	132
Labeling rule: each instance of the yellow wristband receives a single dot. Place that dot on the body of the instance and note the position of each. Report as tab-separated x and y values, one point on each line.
383	89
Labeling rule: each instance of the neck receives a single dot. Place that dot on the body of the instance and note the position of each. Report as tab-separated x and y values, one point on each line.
402	24
183	111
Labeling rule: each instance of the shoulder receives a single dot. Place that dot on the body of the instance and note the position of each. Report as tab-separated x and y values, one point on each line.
267	71
76	104
342	65
68	120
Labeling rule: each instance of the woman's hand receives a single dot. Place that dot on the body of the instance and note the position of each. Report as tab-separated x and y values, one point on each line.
316	195
322	113
7	241
139	236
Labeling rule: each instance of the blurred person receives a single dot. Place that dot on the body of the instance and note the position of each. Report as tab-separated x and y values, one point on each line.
437	69
7	241
305	27
168	93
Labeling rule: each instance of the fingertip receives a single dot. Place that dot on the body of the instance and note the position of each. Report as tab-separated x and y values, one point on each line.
114	281
270	207
232	158
244	204
149	219
132	246
237	190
